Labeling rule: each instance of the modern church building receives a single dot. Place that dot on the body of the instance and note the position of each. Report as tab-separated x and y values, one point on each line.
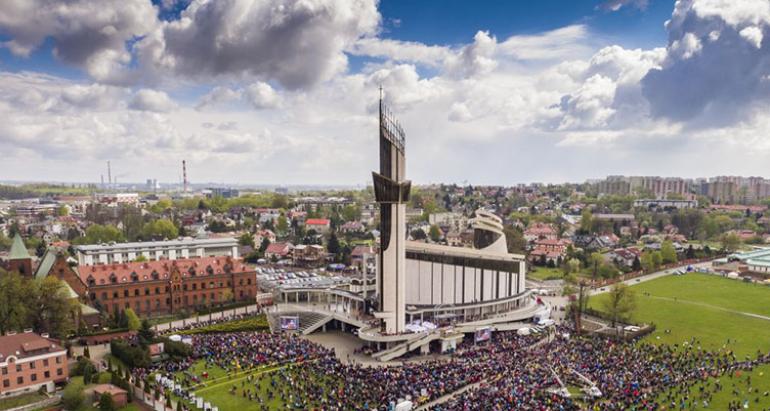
423	292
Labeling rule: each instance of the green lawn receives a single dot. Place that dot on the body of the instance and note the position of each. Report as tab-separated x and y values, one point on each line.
218	386
760	383
19	400
701	305
545	273
709	308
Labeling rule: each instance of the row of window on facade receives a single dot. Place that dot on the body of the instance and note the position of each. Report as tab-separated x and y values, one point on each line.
194	287
184	299
154	275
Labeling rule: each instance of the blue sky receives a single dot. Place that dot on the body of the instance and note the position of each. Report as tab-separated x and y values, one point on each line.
284	91
455	21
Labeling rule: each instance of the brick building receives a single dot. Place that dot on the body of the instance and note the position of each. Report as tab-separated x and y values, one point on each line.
169	286
19	258
29	361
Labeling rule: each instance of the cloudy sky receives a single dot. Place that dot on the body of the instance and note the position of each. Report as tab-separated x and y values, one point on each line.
285	91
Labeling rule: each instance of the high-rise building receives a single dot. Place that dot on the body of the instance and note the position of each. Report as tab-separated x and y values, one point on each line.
391	191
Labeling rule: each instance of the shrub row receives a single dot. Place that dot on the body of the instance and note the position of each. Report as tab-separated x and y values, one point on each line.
258	323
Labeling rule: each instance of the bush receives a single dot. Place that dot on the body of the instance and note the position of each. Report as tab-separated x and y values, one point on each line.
131	355
258	323
176	350
72	397
106	403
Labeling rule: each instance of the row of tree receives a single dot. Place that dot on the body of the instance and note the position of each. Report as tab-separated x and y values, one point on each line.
41	304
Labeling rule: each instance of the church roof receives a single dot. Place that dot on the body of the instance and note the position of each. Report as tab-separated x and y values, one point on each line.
18	249
46	263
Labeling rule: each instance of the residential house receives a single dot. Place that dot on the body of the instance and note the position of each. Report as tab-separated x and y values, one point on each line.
623	257
312	255
279	250
320	225
549	250
30	362
540	231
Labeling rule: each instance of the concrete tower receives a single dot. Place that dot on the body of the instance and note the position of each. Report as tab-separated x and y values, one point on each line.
391	190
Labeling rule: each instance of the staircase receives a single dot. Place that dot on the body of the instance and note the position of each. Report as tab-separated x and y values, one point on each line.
308	321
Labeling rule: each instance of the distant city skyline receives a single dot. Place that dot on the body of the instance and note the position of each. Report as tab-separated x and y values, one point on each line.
494	93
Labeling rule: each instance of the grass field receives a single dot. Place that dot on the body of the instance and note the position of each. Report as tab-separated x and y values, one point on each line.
545	273
20	400
712	309
217	386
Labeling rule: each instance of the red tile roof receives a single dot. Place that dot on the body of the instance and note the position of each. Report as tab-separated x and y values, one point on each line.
278	248
25	345
317	221
101	273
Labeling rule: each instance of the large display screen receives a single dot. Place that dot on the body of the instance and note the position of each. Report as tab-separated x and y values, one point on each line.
289	323
483	334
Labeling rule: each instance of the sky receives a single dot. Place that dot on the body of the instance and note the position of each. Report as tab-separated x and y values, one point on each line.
286	91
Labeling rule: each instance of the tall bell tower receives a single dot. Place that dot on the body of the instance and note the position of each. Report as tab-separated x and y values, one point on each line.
391	191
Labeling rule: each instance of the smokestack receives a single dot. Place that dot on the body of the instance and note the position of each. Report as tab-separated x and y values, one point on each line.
109	173
184	175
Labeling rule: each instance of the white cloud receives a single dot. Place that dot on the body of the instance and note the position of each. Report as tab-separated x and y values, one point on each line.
261	95
296	43
615	5
753	35
152	100
715	81
401	51
474	59
87	34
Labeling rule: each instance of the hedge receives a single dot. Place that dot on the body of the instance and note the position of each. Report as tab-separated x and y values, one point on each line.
258	323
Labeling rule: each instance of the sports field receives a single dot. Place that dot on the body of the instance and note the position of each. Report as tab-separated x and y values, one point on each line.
718	313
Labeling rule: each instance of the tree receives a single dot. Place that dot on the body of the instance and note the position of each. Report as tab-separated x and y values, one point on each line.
106	403
99	234
50	306
86	352
264	245
282	225
434	233
72	396
13	310
351	212
572	266
647	262
63	211
586	221
88	373
333	246
160	229
595	260
668	252
145	334
246	239
730	242
133	322
657	258
620	303
637	264
418	234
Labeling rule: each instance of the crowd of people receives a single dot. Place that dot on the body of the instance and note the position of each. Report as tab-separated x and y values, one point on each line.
509	372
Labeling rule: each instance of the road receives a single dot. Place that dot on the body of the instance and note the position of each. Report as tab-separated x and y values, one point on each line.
653	276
